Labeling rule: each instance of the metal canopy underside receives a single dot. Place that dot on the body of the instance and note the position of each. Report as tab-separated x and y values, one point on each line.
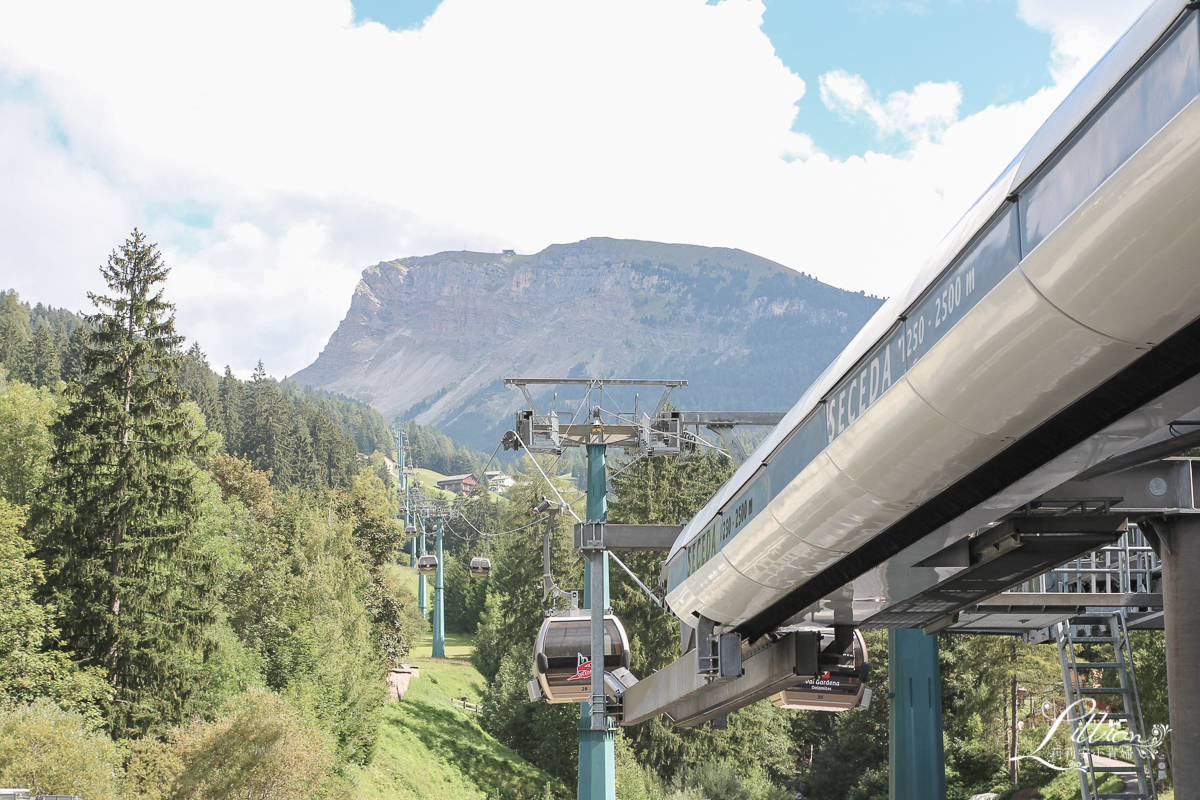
690	698
1016	613
1002	557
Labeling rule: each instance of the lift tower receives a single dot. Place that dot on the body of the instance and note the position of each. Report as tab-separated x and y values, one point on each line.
663	432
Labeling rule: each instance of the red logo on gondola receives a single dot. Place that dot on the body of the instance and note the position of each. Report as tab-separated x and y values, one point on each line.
826	675
583	669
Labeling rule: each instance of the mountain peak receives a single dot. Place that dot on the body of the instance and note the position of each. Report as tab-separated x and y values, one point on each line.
431	337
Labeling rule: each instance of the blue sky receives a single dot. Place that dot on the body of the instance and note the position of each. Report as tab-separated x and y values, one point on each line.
979	44
892	44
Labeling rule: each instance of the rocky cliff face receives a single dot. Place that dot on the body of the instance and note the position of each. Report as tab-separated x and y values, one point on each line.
433	336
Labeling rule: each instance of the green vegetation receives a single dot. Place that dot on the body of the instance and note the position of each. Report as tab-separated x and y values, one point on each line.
428	748
46	749
433	450
39	345
175	622
202	587
118	511
305	438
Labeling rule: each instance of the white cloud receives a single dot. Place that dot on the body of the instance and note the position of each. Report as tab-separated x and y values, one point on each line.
919	115
1081	30
274	148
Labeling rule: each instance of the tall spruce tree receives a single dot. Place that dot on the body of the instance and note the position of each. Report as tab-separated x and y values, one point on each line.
230	399
46	368
199	383
16	338
72	354
122	499
15	335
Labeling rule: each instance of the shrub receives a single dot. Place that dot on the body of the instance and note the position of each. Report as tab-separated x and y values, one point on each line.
52	751
260	747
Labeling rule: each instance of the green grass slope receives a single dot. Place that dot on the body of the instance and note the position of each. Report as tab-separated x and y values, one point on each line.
430	750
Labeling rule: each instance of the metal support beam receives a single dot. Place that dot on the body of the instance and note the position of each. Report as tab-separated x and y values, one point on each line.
1165	443
421	582
732	445
610	536
597	762
596	559
671	383
917	758
1048	602
763	418
690	698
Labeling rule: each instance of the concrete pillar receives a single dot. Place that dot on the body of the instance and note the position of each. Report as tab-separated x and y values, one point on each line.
1179	551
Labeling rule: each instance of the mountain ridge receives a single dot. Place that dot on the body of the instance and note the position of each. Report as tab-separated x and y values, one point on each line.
432	337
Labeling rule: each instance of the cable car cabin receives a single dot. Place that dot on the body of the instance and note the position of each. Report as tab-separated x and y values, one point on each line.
410	530
481	567
562	655
427	565
840	686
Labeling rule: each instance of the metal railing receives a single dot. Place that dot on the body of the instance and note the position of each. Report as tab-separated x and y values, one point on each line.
1125	567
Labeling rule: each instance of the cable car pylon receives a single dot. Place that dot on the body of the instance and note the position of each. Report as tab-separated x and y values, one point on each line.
663	433
421	589
439	597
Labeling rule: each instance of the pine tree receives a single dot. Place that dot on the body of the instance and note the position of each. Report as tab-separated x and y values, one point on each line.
230	399
300	451
15	335
336	457
119	507
199	383
62	346
46	369
268	435
72	358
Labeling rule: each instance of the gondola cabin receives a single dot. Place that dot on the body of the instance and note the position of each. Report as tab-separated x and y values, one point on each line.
562	656
481	567
410	530
427	565
839	686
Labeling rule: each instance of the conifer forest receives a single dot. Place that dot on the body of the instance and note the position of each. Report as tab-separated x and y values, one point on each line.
204	581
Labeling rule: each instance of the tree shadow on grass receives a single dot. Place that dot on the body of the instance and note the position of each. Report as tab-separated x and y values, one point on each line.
465	747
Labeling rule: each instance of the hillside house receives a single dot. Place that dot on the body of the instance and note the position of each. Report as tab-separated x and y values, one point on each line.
459	484
498	479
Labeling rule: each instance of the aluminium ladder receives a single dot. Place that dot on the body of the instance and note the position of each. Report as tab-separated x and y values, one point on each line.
1094	635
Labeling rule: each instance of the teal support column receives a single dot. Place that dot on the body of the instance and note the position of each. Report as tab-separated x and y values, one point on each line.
408	512
400	462
402	479
917	769
439	601
597	765
421	604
